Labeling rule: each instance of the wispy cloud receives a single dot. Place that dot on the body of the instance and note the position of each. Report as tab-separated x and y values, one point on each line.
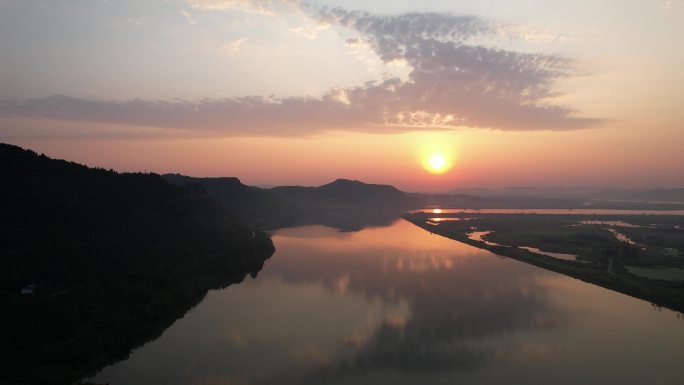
668	4
309	32
188	17
136	22
453	82
665	4
256	6
235	45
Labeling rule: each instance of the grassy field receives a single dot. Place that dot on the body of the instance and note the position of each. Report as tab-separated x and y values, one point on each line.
666	274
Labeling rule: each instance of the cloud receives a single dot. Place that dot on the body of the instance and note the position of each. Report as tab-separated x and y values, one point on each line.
454	82
254	116
235	45
666	4
188	17
135	22
255	6
406	27
475	85
309	32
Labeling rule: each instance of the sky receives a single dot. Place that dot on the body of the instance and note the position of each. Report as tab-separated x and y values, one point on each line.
292	92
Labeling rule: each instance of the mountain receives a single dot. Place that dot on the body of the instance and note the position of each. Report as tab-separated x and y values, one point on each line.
94	263
344	193
295	205
256	206
582	194
669	195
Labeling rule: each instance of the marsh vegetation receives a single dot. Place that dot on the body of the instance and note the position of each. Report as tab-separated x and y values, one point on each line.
640	255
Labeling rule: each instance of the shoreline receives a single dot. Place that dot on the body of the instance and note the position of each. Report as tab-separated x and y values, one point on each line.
659	293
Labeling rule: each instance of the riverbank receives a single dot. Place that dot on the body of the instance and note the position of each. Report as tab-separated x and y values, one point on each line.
94	263
598	263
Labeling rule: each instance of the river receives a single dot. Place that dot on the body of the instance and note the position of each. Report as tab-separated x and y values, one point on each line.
397	305
584	211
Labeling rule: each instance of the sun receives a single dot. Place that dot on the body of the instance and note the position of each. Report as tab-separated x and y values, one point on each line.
437	154
437	163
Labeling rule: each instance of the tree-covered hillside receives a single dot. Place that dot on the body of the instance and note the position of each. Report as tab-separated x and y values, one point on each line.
349	194
105	261
256	206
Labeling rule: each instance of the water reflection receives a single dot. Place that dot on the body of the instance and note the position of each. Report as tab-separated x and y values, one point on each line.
563	256
397	304
457	295
350	220
553	211
612	223
479	237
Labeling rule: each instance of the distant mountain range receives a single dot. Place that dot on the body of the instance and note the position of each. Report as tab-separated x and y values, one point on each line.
256	206
344	193
290	205
577	193
670	195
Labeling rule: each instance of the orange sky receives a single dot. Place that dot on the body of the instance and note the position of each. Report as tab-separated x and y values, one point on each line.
567	93
599	158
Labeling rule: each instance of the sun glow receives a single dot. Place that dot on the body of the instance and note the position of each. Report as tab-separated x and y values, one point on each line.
436	153
437	163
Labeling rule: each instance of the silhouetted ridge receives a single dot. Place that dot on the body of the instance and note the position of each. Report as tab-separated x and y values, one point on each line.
344	193
676	195
106	261
256	206
346	186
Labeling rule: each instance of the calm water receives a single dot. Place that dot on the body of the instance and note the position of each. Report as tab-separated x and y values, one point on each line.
554	211
397	305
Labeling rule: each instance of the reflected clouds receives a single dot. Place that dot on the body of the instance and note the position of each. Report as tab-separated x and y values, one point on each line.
453	310
398	305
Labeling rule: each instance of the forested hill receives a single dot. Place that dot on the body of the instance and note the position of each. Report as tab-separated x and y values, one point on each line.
111	258
344	193
256	206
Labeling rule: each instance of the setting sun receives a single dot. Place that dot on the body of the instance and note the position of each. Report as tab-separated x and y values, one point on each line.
437	163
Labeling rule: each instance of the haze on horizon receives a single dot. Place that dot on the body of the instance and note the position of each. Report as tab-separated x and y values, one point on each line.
282	92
